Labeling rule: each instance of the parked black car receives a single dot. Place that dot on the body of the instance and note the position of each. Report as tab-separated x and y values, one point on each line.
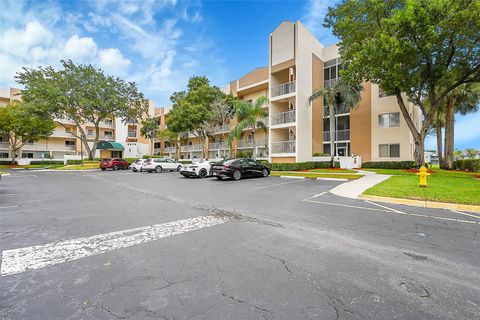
239	168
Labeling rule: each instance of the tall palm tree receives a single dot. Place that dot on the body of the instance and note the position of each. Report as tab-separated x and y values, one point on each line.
249	116
464	99
337	94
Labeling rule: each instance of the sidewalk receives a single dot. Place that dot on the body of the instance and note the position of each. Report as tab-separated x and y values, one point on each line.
354	188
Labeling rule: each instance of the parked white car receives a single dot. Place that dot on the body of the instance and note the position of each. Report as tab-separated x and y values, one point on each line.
137	165
161	164
197	169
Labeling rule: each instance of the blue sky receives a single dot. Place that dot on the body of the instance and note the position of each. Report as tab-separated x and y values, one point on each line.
160	44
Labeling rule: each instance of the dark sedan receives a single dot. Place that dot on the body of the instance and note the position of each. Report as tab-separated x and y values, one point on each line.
239	168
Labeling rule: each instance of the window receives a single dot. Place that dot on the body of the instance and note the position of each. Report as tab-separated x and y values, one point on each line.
389	150
3	155
108	122
108	133
30	142
252	163
69	143
389	120
28	155
89	132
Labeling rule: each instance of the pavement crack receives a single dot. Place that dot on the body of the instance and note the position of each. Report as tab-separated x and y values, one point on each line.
266	314
284	263
415	256
113	314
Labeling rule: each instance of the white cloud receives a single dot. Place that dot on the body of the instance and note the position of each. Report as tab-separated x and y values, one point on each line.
81	50
314	14
112	61
19	41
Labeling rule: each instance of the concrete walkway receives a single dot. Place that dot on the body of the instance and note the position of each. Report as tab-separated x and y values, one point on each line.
354	188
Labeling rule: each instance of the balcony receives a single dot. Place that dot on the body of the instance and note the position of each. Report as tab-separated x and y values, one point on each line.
3	145
282	89
340	135
132	134
248	144
170	150
217	146
222	128
283	147
48	147
107	124
283	117
62	133
339	110
191	147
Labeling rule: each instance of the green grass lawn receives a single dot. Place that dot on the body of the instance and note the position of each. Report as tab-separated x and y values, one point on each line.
332	170
315	175
31	166
86	166
443	186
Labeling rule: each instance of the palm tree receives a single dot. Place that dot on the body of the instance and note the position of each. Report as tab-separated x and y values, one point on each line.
249	117
337	94
465	99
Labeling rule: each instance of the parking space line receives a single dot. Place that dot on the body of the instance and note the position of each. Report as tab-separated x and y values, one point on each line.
278	184
466	214
389	210
8	207
385	207
30	258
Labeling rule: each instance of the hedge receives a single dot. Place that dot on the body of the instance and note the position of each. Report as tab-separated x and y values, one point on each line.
389	165
295	166
185	161
154	156
467	164
46	162
6	162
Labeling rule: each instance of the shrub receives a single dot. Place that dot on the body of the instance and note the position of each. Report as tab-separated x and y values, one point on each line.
185	161
296	166
320	154
130	160
246	154
265	163
5	162
467	164
46	162
389	165
147	156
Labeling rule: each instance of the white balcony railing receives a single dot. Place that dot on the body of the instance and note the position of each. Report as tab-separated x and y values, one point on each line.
217	146
48	147
132	134
340	135
283	147
284	88
283	117
191	147
245	144
3	145
62	133
222	128
170	150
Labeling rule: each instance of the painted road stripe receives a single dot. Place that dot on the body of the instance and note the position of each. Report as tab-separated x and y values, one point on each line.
35	257
277	184
466	214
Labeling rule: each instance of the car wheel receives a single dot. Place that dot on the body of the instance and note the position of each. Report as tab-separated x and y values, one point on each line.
179	168
134	170
203	173
115	168
158	169
103	169
265	173
237	175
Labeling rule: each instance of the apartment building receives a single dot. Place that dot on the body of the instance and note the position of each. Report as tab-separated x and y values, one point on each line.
117	139
298	65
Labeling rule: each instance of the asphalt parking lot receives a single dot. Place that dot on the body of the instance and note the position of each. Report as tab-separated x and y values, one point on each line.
123	245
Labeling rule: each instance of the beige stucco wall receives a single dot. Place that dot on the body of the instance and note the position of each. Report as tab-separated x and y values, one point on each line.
283	43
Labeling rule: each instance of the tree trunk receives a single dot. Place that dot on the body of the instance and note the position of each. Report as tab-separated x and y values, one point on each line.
438	133
254	156
419	153
331	110
449	133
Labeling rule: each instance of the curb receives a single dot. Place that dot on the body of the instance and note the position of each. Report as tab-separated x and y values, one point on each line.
293	177
333	179
423	203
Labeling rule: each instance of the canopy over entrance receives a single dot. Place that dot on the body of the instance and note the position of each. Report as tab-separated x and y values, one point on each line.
108	145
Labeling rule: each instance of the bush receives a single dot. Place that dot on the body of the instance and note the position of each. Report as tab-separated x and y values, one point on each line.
246	154
130	160
265	163
185	161
320	154
296	166
6	162
389	165
472	165
46	162
154	156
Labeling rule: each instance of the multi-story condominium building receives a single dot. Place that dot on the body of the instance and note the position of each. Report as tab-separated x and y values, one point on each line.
124	140
298	65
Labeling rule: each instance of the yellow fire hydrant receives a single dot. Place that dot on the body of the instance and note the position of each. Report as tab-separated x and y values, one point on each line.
423	174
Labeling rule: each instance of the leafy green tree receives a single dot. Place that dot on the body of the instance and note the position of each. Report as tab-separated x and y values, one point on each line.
149	130
337	94
423	48
249	115
223	110
174	138
82	94
191	110
463	99
20	124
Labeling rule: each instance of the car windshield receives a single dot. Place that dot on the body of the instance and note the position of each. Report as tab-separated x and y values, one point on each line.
227	162
138	161
107	159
